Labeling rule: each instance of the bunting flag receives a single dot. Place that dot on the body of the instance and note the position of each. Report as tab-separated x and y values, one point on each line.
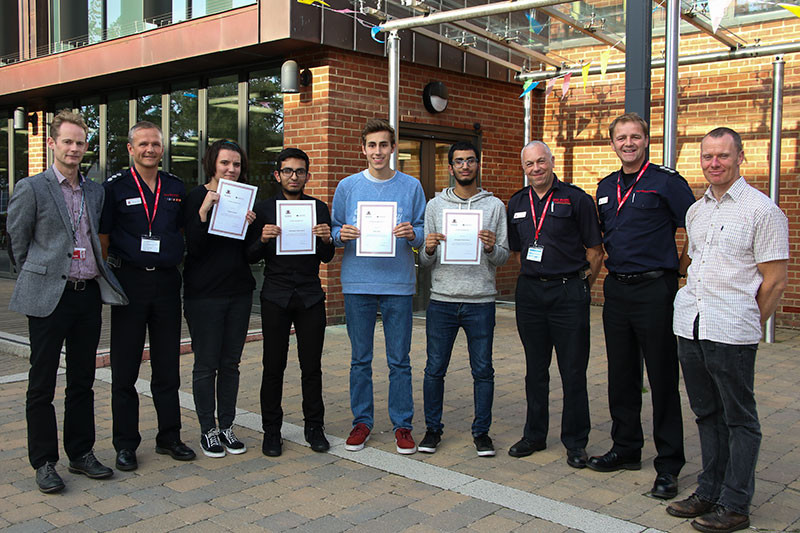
585	74
565	85
528	87
551	83
374	32
311	2
716	10
791	8
604	55
343	11
536	26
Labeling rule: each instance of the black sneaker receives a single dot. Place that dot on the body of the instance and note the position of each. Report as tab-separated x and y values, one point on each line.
315	436
231	442
484	445
430	441
211	445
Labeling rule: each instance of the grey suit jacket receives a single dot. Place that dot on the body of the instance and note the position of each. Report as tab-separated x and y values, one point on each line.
41	241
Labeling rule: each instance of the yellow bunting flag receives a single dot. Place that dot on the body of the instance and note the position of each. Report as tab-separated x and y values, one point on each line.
310	2
793	9
585	74
604	55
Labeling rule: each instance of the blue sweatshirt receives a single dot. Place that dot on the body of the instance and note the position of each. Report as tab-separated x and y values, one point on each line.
379	275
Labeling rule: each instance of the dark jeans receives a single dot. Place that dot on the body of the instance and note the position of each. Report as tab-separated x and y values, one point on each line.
309	327
637	320
443	320
76	320
555	314
155	306
218	327
719	379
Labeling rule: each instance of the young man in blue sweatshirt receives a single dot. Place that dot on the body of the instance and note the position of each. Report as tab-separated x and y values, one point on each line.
385	283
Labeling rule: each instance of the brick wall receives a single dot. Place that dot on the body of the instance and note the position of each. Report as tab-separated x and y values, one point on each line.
737	94
37	145
326	118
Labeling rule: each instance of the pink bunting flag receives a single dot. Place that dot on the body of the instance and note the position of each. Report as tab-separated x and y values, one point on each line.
716	10
551	83
565	85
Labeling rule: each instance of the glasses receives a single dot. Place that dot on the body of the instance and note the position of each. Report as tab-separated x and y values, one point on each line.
470	161
287	172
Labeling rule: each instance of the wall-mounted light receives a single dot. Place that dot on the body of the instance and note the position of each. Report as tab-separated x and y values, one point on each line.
290	81
434	96
22	119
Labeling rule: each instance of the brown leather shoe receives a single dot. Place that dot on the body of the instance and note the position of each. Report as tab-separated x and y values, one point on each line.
721	520
691	507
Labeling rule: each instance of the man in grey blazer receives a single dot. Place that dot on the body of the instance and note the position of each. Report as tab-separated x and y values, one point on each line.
53	219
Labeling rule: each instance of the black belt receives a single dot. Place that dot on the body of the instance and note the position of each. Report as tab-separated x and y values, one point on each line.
556	277
638	277
78	284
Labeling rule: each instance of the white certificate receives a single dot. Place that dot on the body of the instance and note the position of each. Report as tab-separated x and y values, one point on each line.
376	221
229	218
462	245
296	218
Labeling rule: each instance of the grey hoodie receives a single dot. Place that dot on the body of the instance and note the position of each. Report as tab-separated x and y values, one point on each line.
466	283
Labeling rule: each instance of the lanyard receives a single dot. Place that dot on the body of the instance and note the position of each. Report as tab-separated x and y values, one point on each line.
77	223
144	202
620	200
538	225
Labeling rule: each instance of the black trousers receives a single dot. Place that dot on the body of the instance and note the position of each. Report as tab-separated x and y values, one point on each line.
637	320
555	314
76	320
309	326
155	307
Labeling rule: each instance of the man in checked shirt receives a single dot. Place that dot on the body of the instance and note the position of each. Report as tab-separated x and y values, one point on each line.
739	246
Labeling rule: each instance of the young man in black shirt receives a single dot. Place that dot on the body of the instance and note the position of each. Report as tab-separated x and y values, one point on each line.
292	293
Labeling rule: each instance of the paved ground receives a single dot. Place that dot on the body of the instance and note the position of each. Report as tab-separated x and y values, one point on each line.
376	489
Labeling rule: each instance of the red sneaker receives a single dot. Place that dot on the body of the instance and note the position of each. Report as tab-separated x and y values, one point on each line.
358	436
405	442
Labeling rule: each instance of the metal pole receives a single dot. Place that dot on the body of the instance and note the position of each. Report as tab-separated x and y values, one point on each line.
775	156
527	104
638	41
393	43
671	84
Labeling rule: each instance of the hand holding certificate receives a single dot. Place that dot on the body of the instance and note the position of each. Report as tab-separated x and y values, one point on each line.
296	218
375	221
462	245
229	218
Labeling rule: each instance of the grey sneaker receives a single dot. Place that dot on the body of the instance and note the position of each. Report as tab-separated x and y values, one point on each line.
211	445
430	441
231	442
484	445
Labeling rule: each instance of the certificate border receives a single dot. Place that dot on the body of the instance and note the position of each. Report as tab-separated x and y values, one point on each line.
279	218
361	205
252	189
471	212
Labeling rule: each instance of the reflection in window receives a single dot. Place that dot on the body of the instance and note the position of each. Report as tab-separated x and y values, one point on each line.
90	166
117	133
183	132
20	154
5	264
148	107
223	109
264	129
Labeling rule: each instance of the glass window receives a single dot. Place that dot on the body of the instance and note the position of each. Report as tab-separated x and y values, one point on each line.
123	18
148	106
5	263
223	108
264	129
20	154
90	166
183	132
117	133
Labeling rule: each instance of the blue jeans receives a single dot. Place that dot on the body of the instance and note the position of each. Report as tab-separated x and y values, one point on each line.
719	379
443	320
361	311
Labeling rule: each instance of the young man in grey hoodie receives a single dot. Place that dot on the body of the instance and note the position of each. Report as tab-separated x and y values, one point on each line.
462	296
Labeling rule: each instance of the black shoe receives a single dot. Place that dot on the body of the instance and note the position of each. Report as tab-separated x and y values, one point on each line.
721	520
612	461
430	442
211	445
177	450
665	486
126	460
48	479
89	466
315	436
273	443
231	442
484	445
525	447
691	507
577	458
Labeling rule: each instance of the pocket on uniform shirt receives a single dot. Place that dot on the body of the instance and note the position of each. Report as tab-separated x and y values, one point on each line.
645	200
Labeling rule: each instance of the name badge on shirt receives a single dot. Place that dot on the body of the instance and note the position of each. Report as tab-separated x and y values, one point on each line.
151	244
603	200
535	253
133	201
79	254
520	214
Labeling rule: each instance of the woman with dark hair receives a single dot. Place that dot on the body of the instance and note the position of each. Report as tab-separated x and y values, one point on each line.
217	291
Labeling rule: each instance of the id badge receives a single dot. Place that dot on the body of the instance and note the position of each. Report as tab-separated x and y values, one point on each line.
79	254
535	253
151	244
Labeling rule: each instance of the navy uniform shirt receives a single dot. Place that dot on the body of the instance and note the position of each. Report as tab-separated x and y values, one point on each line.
286	274
125	221
641	237
569	228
